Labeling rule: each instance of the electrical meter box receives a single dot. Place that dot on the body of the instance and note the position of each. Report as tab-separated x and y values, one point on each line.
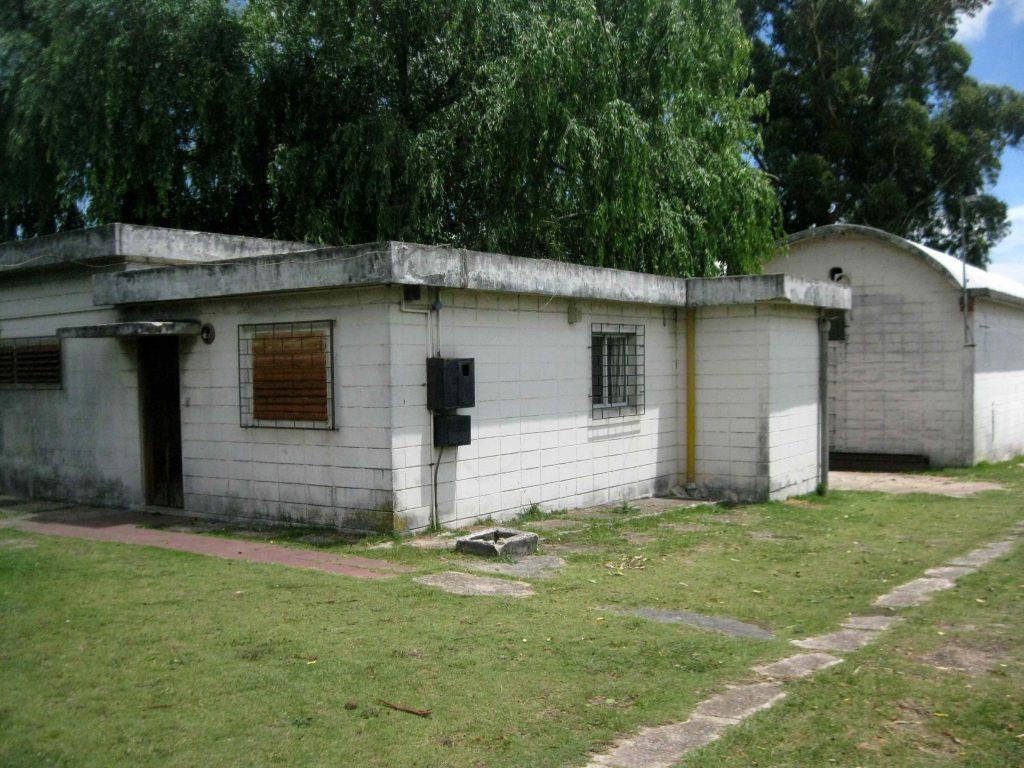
451	383
451	429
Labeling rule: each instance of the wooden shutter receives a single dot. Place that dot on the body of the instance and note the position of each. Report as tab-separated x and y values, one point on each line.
290	376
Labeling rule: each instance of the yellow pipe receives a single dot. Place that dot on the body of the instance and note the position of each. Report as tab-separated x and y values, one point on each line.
691	396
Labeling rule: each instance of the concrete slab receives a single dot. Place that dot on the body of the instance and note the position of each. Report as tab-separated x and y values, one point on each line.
873	623
984	555
528	567
801	665
953	572
724	625
740	701
842	640
916	592
661	747
907	483
473	586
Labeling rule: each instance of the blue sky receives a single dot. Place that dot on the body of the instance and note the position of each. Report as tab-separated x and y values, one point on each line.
995	38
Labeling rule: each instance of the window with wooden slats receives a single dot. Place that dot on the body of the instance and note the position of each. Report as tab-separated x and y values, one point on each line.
286	375
30	362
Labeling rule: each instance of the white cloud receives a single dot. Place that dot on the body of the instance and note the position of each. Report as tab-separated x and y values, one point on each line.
973	29
1008	256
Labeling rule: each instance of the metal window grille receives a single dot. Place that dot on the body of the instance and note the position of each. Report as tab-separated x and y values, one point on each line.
617	370
286	375
31	362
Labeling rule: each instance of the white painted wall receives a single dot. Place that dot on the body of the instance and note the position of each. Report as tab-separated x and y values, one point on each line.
793	402
757	400
534	439
80	442
320	477
998	381
900	381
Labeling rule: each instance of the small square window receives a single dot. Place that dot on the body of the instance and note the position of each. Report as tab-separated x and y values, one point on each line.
286	376
31	362
617	370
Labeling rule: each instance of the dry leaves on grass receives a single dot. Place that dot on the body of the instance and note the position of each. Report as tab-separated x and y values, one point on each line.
627	562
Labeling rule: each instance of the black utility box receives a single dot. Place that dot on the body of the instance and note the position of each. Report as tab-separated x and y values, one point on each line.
451	384
451	429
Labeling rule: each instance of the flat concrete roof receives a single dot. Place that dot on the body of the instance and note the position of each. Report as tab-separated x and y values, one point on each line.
389	262
134	245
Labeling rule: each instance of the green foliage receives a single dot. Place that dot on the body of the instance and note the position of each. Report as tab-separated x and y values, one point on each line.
612	133
874	120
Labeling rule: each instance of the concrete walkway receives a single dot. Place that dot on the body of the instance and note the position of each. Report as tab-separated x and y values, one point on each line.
665	745
104	525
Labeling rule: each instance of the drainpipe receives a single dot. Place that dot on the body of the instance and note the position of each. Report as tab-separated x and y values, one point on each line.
691	397
823	326
425	311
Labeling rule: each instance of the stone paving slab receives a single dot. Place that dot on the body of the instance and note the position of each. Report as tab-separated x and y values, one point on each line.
661	747
874	623
469	585
841	640
916	592
801	665
953	572
726	626
230	549
527	567
740	701
984	555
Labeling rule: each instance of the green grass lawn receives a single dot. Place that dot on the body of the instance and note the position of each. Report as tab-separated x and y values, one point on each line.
121	655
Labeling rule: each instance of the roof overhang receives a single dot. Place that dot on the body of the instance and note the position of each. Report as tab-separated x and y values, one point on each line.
393	263
132	329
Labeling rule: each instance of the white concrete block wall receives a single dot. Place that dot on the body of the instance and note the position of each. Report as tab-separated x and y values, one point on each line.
998	381
732	352
534	438
897	385
79	442
793	410
326	477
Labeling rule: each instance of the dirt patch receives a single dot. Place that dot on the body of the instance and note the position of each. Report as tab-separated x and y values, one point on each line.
575	549
965	660
639	539
905	483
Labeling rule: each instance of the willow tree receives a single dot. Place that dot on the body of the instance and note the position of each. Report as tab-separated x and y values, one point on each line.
611	133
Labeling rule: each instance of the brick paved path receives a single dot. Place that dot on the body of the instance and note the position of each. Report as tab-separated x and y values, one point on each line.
124	529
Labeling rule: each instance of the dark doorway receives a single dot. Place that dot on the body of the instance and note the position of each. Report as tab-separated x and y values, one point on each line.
161	420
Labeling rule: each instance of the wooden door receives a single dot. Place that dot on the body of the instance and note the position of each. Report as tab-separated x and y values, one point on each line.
159	392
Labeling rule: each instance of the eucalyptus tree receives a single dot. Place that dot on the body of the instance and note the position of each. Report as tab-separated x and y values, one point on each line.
873	118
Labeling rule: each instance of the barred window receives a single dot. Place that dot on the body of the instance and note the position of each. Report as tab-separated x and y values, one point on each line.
30	362
617	370
286	376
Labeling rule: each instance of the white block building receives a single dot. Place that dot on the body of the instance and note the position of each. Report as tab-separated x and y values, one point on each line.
252	379
913	377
